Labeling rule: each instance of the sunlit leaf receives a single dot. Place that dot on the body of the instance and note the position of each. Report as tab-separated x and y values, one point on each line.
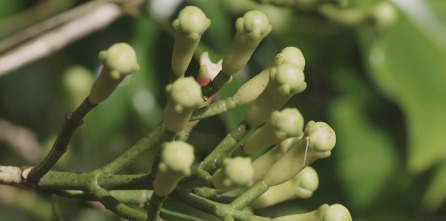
408	65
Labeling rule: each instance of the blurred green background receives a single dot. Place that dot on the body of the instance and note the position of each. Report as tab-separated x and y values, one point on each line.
379	83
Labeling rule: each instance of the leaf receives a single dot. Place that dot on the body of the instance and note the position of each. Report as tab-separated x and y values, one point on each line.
436	193
364	155
408	64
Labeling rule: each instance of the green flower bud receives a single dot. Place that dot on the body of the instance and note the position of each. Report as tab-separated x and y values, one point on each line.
301	186
283	124
335	212
285	81
250	30
118	61
176	159
317	142
235	173
292	55
321	136
262	164
189	26
384	15
251	90
183	96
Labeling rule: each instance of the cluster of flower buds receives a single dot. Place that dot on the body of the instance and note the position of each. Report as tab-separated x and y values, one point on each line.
284	169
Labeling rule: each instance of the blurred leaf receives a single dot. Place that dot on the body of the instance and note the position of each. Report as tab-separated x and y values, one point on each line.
364	154
436	193
408	64
147	85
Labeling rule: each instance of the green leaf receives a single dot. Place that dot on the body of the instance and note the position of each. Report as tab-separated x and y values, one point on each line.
364	154
408	64
436	193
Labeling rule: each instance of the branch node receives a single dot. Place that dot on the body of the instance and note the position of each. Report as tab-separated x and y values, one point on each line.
68	116
60	150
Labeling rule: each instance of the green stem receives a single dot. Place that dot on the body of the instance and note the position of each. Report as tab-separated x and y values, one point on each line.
215	85
55	180
74	194
166	137
172	215
154	207
135	197
251	194
72	121
205	192
205	178
117	207
217	209
209	206
157	201
128	157
224	148
213	109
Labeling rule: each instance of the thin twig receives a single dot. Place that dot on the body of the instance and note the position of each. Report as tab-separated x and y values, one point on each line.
55	40
72	121
48	24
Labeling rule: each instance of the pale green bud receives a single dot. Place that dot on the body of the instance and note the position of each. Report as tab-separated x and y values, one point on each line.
176	159
262	164
335	212
189	26
283	124
292	55
251	90
288	122
300	186
118	61
252	28
183	96
321	136
285	81
289	79
191	21
384	15
235	173
317	142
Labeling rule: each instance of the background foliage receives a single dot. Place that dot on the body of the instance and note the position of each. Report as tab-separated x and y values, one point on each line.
382	90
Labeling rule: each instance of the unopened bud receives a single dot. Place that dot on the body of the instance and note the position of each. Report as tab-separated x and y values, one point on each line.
235	173
118	61
176	160
183	96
